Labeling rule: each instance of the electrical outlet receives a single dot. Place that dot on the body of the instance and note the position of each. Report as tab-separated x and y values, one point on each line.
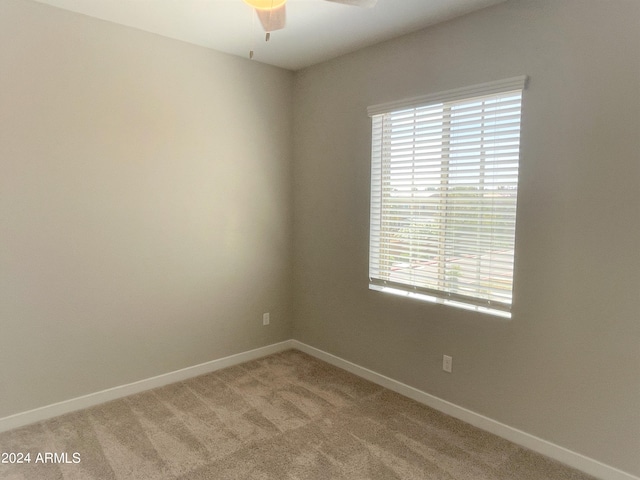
265	319
447	363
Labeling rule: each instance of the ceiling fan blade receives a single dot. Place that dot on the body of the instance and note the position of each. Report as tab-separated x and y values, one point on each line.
273	19
357	3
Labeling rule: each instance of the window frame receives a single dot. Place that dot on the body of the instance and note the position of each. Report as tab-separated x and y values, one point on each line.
515	85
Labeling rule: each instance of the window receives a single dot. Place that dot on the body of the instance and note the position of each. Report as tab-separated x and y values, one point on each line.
444	186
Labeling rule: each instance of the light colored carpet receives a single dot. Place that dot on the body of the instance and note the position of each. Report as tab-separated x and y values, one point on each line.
287	416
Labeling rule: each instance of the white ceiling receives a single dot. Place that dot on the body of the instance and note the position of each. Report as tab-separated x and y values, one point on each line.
316	30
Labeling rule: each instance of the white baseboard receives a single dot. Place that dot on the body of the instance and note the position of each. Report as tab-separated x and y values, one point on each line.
92	399
561	454
568	457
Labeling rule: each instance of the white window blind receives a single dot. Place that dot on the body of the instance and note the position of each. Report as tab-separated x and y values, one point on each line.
444	187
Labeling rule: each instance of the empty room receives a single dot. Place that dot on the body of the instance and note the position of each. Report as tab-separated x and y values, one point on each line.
320	239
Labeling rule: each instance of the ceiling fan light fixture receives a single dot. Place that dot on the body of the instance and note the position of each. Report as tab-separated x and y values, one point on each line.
265	4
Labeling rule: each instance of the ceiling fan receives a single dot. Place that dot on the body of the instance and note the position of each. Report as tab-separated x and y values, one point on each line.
272	13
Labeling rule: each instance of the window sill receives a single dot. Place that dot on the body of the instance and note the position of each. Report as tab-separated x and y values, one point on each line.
442	301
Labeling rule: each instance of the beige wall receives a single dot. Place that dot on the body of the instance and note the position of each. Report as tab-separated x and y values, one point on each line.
566	368
145	208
